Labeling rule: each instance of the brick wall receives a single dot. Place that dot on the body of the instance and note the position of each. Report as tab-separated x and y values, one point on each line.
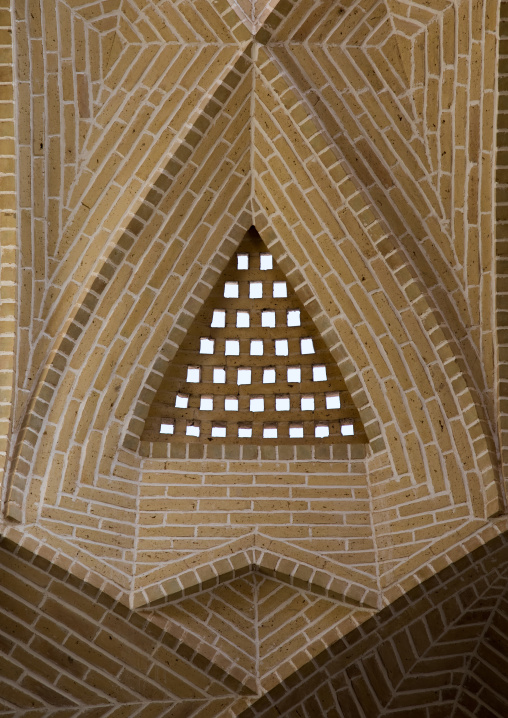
358	137
438	651
70	650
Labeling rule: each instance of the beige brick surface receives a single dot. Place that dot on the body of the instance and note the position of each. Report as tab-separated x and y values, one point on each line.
139	142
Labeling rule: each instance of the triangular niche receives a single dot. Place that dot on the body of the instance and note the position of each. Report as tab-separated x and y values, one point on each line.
253	368
252	626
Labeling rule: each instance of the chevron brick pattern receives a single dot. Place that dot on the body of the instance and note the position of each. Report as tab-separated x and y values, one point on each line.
436	652
69	650
252	627
141	140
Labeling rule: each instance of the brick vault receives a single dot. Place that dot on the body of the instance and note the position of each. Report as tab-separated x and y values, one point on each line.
339	545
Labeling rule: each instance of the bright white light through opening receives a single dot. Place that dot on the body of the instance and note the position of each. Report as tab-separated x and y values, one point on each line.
321	431
206	403
219	318
219	375
296	432
265	261
232	347
280	289
242	319
281	347
244	376
269	376
294	374
257	403
256	347
167	428
333	401
282	403
319	373
267	319
293	318
307	346
218	431
245	432
231	403
242	261
255	290
307	403
193	374
347	430
182	401
231	290
192	430
269	432
206	346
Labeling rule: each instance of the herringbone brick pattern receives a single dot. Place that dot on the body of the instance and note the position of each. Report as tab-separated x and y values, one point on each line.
256	628
140	142
69	650
432	653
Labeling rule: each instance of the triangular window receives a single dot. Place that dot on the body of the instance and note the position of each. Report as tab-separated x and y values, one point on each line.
253	367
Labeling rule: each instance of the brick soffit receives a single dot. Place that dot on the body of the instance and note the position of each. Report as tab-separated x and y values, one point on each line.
366	248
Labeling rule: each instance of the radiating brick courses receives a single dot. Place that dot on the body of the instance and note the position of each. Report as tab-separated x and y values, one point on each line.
358	138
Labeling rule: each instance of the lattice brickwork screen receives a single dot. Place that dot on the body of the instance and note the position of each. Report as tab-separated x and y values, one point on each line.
253	368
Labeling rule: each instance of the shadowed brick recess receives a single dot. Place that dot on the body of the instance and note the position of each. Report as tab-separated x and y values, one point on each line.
253	400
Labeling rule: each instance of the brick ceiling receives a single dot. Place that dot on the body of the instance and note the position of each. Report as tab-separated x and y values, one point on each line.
358	138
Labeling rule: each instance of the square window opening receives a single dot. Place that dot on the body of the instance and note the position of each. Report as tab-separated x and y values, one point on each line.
242	261
192	430
232	347
242	319
307	403
293	318
255	290
307	346
219	318
281	347
282	403
193	375
269	376
319	373
182	401
167	428
267	319
219	375
257	403
294	374
206	346
244	376
256	347
206	403
280	289
265	261
333	401
231	290
231	403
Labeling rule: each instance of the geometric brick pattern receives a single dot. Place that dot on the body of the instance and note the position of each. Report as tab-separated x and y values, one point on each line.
253	362
438	651
140	142
70	650
252	626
